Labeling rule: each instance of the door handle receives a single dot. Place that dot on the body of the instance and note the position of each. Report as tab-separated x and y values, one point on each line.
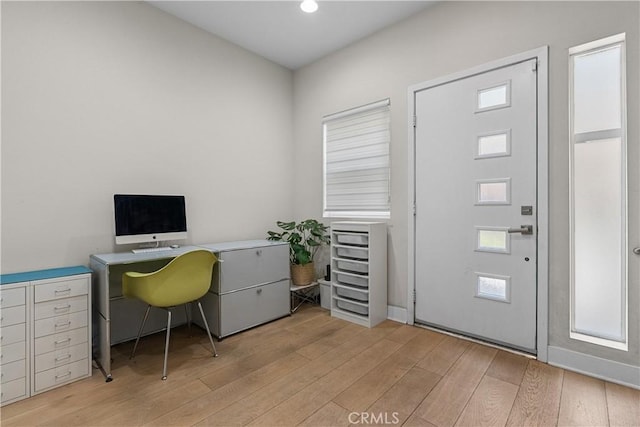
524	229
636	251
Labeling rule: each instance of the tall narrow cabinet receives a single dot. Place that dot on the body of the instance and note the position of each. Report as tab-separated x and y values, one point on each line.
359	272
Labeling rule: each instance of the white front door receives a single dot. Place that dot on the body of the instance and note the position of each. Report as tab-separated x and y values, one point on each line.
476	207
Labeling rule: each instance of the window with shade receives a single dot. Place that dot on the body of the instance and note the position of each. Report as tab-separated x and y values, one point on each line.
356	162
598	192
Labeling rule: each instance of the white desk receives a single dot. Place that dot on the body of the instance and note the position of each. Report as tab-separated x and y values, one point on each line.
108	299
250	286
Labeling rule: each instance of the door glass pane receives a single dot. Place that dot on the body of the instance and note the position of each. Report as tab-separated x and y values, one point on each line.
492	287
598	238
493	145
493	97
493	192
492	240
596	90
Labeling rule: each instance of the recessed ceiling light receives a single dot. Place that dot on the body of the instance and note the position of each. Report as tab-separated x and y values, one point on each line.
309	6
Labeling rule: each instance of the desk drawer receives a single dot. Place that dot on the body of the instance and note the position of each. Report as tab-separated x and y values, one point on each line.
13	371
242	268
60	341
13	390
53	308
57	324
12	297
62	357
13	333
61	289
250	307
13	315
12	352
62	375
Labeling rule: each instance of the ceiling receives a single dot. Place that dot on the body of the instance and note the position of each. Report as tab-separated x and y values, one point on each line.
282	33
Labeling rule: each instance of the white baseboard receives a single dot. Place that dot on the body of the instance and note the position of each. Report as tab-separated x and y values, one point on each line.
604	369
398	314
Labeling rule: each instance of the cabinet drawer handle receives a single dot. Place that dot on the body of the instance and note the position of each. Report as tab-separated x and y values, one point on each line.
63	325
62	341
62	291
61	358
259	291
63	375
62	307
259	252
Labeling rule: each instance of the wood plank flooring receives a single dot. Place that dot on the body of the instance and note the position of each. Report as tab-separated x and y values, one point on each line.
314	370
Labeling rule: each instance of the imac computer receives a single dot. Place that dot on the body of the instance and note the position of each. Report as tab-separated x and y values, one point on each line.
149	218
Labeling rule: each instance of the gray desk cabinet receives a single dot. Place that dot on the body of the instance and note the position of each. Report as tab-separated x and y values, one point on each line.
250	286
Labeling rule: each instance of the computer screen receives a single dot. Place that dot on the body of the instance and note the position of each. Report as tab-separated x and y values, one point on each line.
149	218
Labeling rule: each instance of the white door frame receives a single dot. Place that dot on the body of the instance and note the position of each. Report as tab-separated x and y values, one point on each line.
541	54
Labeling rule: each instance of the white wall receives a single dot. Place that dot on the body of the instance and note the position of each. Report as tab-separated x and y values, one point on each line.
450	37
118	97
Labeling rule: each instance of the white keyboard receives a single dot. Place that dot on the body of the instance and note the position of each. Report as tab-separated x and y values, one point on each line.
145	250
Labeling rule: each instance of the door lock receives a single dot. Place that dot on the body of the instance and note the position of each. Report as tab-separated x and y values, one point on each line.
524	229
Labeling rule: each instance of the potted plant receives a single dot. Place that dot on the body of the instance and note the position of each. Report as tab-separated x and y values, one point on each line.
304	238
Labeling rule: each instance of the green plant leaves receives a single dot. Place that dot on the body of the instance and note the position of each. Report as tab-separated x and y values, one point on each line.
304	238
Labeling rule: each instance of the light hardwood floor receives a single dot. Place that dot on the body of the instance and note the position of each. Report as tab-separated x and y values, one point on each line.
311	369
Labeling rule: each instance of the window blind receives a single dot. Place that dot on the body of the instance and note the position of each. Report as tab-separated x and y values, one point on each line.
356	162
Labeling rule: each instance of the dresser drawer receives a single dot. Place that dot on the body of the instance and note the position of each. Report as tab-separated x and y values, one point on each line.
250	307
61	375
62	323
13	390
58	307
13	315
13	371
12	334
61	357
12	297
12	352
60	341
242	268
61	289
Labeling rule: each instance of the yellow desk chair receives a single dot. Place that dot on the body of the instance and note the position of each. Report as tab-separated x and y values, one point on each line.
184	280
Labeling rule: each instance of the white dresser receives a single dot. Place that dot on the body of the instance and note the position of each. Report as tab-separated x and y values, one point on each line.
250	285
14	342
46	330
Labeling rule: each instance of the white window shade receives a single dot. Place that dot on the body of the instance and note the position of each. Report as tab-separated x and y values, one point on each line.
356	162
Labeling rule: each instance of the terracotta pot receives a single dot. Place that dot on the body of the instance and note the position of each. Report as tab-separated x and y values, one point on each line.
303	274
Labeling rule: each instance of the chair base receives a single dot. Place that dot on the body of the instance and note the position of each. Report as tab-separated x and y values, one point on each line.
166	345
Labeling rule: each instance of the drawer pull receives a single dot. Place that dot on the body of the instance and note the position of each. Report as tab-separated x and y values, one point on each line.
62	307
259	252
259	291
63	375
62	291
61	358
65	341
63	325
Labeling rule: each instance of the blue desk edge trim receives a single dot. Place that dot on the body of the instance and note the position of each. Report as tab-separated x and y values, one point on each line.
50	273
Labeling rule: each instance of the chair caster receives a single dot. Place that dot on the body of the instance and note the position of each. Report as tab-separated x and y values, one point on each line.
164	378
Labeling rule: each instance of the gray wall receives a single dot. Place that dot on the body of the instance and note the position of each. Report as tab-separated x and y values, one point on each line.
450	37
119	97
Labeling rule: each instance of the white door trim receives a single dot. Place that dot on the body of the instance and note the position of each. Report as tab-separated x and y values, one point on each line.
543	184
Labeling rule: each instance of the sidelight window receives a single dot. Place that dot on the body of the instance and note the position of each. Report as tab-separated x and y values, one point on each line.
598	193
